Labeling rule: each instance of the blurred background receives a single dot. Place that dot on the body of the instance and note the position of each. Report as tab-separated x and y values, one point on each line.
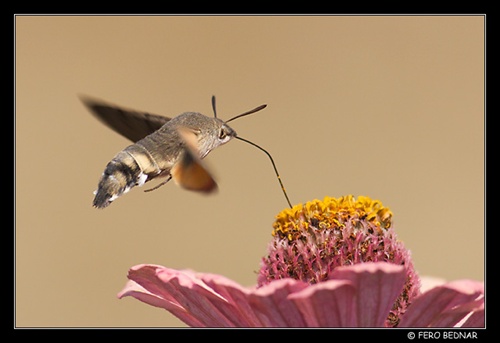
391	107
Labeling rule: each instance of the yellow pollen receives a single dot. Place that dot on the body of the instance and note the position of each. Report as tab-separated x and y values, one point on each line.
331	213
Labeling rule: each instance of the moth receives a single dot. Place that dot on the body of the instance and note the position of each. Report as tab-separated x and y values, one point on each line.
163	147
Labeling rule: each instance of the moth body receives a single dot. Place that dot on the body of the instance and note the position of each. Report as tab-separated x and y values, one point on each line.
177	144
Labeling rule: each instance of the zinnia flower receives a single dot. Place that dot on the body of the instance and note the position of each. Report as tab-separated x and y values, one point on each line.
330	263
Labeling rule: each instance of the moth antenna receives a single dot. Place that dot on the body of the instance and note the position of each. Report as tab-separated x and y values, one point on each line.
256	109
268	155
213	106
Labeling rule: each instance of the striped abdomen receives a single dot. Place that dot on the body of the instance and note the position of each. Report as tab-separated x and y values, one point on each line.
130	167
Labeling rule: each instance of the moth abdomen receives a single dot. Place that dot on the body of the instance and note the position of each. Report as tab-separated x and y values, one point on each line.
120	175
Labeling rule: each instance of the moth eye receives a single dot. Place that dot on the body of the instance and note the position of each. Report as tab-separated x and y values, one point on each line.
222	134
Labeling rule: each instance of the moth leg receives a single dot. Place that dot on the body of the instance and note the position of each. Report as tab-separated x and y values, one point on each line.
159	185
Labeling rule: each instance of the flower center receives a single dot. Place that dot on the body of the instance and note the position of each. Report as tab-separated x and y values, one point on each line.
330	214
311	240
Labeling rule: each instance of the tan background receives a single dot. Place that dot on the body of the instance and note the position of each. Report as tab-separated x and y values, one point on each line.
389	107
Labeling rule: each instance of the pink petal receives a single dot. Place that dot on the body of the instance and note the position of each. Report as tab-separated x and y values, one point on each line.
429	282
360	295
203	305
236	307
272	305
328	304
135	290
132	288
197	298
447	306
146	287
476	319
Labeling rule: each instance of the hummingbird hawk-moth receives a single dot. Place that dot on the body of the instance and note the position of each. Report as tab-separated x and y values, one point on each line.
170	148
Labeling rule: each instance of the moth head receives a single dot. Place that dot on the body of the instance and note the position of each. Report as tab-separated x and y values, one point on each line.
214	135
225	133
208	133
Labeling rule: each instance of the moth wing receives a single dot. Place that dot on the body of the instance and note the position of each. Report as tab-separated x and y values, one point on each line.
131	124
189	171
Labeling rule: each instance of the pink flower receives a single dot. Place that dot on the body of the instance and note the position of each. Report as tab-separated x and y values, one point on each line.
330	263
311	241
